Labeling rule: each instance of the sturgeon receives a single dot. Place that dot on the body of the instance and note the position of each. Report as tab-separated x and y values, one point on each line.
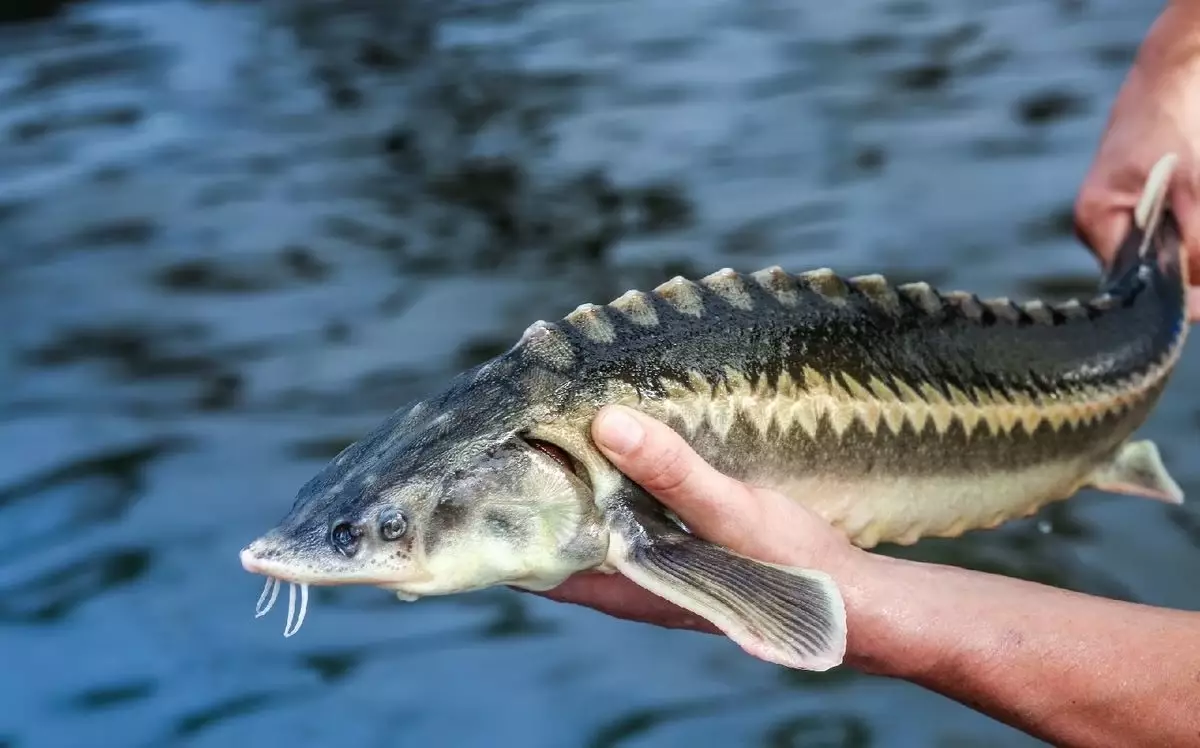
893	412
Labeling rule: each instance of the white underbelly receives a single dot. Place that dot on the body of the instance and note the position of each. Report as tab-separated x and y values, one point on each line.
902	509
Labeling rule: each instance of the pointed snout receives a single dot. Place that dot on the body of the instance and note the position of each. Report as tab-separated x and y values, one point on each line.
260	556
250	560
271	556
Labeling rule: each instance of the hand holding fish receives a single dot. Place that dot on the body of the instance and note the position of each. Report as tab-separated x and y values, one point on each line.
1156	111
1065	667
757	522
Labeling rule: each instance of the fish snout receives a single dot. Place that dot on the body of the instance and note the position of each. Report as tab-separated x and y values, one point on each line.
258	557
250	560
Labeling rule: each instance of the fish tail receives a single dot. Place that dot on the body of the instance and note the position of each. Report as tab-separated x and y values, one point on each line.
1153	247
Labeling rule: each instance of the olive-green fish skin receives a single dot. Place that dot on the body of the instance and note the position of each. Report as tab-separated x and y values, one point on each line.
1003	387
925	337
864	330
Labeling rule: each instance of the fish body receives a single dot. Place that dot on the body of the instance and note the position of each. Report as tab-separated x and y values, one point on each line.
894	412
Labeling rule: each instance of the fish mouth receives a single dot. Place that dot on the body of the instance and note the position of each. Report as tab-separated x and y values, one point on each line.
285	572
298	581
277	573
255	563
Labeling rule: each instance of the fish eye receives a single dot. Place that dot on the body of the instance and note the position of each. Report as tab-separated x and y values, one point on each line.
344	537
392	525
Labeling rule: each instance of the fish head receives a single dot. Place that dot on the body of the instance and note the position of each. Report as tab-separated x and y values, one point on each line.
446	496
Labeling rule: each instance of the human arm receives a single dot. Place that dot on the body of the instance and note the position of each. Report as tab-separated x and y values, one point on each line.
1070	669
1157	111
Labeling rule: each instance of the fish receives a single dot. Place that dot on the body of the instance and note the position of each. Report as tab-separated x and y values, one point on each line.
895	412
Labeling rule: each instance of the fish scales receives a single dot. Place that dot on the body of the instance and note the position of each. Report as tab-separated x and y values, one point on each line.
1006	357
789	379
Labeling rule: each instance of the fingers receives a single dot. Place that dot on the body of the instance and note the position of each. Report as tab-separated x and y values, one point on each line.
1102	218
615	595
712	504
1103	213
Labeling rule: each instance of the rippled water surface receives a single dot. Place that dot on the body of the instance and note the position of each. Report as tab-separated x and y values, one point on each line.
236	235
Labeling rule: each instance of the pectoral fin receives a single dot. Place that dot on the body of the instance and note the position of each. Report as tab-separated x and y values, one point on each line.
789	616
1137	469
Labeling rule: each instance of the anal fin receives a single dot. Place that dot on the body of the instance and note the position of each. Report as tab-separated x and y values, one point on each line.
785	615
1137	470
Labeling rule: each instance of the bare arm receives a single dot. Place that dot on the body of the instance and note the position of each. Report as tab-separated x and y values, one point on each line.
1070	669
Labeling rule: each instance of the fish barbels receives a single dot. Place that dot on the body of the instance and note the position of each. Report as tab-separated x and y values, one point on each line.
894	412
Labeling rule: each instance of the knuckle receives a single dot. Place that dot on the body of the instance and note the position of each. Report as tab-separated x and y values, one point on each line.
1088	211
1089	201
1093	222
667	470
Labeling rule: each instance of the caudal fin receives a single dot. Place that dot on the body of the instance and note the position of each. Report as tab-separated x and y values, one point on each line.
1154	241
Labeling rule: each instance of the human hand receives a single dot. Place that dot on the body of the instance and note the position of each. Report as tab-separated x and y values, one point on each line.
755	522
1157	111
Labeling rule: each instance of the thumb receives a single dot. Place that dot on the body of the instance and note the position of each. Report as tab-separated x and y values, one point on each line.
712	504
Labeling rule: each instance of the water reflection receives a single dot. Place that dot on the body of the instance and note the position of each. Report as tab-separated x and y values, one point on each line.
237	235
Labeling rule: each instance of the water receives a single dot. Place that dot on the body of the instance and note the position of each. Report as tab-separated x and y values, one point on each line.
236	235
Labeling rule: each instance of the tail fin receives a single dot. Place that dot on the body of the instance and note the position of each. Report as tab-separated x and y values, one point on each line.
1154	241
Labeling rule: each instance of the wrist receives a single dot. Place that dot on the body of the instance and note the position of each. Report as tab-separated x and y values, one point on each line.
893	615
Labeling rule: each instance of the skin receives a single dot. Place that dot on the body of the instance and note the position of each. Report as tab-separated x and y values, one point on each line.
1067	668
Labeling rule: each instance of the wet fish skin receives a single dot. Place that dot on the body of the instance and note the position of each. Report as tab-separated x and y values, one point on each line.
894	412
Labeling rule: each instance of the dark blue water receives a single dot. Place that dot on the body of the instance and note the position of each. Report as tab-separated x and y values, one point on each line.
234	236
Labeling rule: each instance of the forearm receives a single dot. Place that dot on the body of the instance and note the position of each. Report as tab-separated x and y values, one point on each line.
1070	669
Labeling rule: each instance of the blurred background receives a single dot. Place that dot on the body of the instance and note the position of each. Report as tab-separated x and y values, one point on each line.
235	235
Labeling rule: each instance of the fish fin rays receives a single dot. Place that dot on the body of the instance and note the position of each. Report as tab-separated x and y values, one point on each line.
559	520
784	615
788	616
1137	470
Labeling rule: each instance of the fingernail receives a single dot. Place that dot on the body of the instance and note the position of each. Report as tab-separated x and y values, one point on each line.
619	431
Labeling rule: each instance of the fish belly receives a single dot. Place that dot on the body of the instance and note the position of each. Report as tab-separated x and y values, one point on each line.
902	509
